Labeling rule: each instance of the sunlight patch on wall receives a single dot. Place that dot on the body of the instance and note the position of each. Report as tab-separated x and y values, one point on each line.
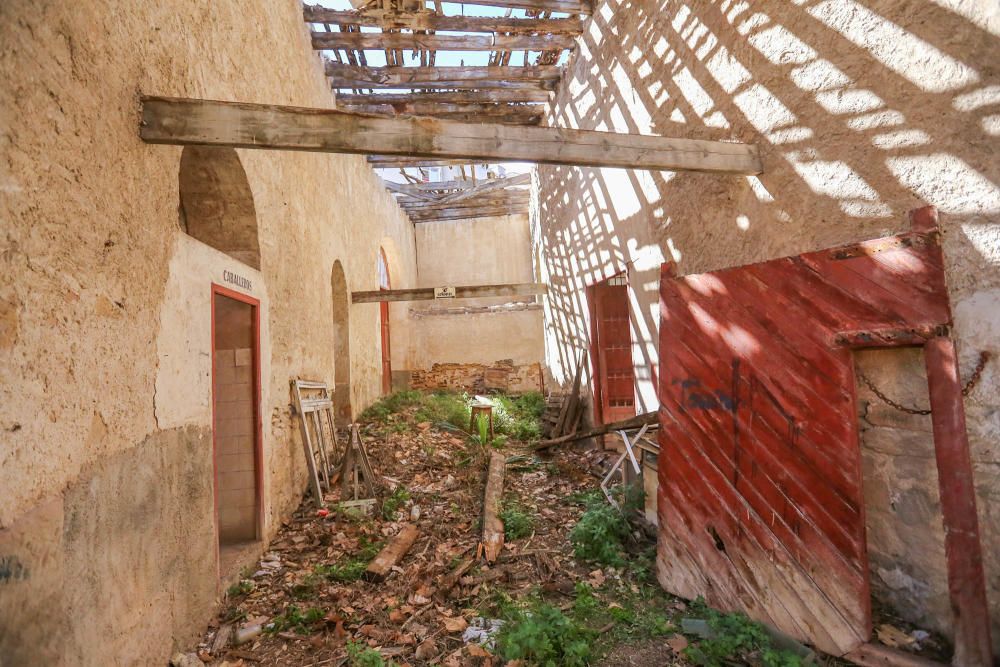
624	198
835	179
977	98
900	139
764	111
920	63
947	182
849	100
727	70
782	47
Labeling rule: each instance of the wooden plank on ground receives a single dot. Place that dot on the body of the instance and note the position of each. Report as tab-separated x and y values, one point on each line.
492	524
631	423
204	122
392	553
463	292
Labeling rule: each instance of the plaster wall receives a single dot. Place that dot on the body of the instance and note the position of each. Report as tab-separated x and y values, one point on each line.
105	334
479	251
861	111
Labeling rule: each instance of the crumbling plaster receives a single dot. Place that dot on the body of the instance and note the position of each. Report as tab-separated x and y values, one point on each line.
105	301
861	111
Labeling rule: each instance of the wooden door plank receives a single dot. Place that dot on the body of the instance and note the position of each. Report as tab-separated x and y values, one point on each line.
203	122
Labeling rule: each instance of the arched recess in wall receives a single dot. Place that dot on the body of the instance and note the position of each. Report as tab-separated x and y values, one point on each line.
216	202
384	283
341	343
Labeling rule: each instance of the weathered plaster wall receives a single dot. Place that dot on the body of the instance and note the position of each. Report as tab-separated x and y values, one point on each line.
480	251
862	112
105	305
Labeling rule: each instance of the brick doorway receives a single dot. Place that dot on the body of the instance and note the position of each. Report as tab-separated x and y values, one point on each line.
235	419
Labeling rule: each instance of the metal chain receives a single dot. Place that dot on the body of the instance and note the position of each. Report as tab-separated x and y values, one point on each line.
966	390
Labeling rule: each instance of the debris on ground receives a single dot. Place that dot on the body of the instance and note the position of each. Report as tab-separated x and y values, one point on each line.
573	583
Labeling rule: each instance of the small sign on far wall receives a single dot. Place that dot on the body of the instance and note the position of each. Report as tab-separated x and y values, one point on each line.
444	292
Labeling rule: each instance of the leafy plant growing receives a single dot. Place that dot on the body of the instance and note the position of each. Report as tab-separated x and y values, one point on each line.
600	533
295	619
391	505
360	655
735	638
517	523
544	635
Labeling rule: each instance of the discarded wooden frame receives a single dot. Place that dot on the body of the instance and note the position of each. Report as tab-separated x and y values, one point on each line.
319	433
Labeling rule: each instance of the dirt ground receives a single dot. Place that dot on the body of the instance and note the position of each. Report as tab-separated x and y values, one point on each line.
308	603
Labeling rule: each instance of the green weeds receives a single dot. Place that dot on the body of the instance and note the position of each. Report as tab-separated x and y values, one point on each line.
242	587
381	410
392	504
517	522
296	620
599	535
735	638
360	655
350	569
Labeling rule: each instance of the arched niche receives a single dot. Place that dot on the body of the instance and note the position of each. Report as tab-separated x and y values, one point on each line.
341	344
217	204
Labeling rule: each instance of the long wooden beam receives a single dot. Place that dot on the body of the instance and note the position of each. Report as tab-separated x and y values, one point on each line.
451	97
402	162
514	199
430	187
514	116
519	114
423	42
429	21
468	213
464	292
356	76
241	125
568	6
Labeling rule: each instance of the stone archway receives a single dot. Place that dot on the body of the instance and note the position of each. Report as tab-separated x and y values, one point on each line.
216	202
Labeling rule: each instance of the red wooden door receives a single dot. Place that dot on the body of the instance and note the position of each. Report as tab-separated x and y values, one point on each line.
386	352
611	351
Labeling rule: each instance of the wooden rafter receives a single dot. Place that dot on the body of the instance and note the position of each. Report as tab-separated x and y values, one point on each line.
236	124
442	77
468	213
427	21
462	292
433	42
451	97
568	6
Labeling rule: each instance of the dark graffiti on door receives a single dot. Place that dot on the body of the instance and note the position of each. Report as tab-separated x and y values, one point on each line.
611	351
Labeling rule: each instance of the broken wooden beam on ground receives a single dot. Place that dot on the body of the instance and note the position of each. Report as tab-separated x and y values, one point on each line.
392	553
632	422
464	292
180	121
492	542
448	582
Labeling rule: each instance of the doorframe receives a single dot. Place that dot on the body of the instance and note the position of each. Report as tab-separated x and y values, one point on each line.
258	450
597	385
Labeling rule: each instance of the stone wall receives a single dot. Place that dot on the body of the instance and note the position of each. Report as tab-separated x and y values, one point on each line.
105	312
862	112
480	251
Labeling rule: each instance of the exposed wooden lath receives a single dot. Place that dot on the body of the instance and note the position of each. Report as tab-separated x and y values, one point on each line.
500	92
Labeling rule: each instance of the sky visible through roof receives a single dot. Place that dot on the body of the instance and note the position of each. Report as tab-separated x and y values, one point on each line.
376	58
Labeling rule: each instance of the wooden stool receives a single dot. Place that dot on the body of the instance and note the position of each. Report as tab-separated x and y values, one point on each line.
481	409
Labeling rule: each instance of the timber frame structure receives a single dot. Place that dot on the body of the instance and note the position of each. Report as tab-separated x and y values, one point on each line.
522	55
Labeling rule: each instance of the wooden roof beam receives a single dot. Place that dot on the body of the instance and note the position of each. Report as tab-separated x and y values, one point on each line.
568	6
442	77
241	125
463	292
423	42
466	213
428	21
450	97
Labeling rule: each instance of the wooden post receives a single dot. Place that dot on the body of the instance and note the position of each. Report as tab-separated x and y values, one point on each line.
963	549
